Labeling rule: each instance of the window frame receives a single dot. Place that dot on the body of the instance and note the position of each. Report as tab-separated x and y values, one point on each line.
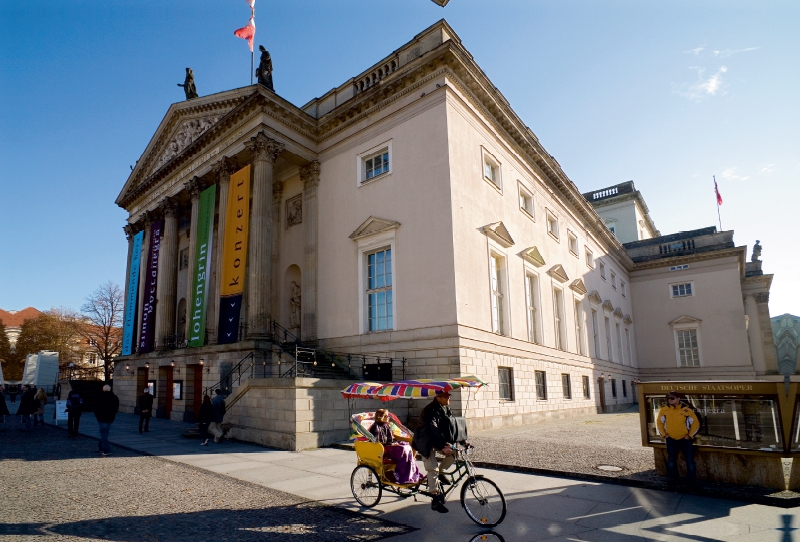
361	163
624	390
618	329
566	386
503	326
587	387
674	285
572	240
386	288
541	388
688	328
589	255
522	189
579	327
535	320
622	288
510	372
602	268
498	165
609	346
560	320
613	388
552	219
596	334
367	245
614	280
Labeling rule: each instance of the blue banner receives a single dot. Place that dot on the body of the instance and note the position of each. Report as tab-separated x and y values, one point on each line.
133	291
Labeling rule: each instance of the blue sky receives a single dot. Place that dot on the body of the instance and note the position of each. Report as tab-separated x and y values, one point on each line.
663	93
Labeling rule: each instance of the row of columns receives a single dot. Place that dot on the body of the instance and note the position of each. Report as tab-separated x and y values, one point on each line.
262	283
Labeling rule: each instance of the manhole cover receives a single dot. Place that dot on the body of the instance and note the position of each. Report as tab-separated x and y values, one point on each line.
610	468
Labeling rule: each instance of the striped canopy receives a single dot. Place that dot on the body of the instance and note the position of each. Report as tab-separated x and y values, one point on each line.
409	389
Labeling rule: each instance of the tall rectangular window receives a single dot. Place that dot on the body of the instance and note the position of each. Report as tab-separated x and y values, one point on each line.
596	335
379	290
613	280
579	328
491	170
526	201
558	311
587	389
589	256
619	345
505	376
566	386
608	340
602	268
624	389
688	348
628	345
614	387
496	263
541	385
531	301
552	225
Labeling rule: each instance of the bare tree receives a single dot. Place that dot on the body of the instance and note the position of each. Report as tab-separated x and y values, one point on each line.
57	330
101	328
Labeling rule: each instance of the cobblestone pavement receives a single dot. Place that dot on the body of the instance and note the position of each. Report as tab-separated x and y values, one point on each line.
574	445
55	488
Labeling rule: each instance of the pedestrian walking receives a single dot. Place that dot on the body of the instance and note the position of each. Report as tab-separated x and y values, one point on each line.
40	402
105	411
678	424
3	411
205	418
13	391
27	406
219	413
74	411
145	410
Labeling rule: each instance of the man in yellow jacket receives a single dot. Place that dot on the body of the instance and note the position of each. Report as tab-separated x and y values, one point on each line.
678	424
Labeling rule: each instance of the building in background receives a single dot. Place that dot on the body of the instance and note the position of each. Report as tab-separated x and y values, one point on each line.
13	321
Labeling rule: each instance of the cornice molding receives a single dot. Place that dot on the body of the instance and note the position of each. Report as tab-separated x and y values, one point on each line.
701	257
559	273
498	232
595	298
578	286
534	256
372	226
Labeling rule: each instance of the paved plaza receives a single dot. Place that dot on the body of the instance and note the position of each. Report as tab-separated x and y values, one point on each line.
159	486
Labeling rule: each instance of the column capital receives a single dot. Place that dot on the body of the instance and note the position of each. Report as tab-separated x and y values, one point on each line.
762	297
194	187
309	174
277	192
168	206
223	169
262	147
129	230
146	219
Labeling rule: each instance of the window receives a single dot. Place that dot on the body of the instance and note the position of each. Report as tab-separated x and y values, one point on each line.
613	280
612	225
558	312
566	386
596	335
531	301
506	379
379	290
619	345
92	342
93	359
624	389
541	385
525	201
375	164
579	328
491	170
622	287
688	348
589	257
614	387
183	259
682	290
573	243
602	267
587	390
552	225
496	263
608	340
628	345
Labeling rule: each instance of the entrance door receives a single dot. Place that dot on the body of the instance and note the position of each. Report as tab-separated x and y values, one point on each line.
197	389
601	394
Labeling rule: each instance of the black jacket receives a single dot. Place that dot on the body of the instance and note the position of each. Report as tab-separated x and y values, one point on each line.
27	403
3	408
206	413
146	403
434	422
106	407
74	403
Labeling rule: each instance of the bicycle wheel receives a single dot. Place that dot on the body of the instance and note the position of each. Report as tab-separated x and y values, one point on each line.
489	536
483	501
366	486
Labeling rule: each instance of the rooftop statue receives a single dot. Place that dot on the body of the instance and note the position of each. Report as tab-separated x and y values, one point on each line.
188	85
264	70
756	252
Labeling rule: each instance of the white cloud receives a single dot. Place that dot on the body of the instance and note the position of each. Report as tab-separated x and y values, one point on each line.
696	51
730	52
768	168
704	87
729	174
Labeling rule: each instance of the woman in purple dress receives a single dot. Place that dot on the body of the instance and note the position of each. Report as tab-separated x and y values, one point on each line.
406	471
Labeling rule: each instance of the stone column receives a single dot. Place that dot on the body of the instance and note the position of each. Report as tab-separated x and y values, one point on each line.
222	172
167	273
146	221
754	334
275	282
194	188
130	231
310	177
259	273
767	338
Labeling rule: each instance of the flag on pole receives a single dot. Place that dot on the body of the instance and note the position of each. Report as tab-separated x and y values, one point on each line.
716	191
251	3
247	32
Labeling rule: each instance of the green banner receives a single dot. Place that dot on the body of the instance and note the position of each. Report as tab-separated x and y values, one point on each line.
202	263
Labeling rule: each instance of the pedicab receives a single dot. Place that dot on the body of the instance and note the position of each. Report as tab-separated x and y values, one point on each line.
481	499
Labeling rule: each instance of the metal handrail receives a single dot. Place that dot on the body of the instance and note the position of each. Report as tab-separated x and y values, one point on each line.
236	369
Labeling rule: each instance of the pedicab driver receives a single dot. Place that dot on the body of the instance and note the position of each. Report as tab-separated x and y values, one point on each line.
434	431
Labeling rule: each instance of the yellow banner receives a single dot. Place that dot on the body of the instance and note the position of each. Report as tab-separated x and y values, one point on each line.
234	255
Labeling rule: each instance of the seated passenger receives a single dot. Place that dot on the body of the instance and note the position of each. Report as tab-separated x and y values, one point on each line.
406	471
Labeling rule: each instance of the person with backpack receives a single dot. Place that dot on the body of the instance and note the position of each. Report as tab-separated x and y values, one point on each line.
219	413
74	411
678	424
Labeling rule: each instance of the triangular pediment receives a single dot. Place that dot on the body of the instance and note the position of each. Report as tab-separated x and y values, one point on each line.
373	225
498	232
558	273
533	256
685	320
578	286
594	297
618	312
627	319
608	306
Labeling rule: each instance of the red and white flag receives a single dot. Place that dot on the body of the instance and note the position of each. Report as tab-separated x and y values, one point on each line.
251	3
716	191
248	32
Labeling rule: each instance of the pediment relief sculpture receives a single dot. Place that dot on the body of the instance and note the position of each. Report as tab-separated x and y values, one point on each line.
558	273
578	286
608	306
373	225
683	320
594	297
627	319
533	256
498	232
618	312
187	133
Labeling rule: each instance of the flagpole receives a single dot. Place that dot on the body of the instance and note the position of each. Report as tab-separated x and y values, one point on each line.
252	56
717	198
